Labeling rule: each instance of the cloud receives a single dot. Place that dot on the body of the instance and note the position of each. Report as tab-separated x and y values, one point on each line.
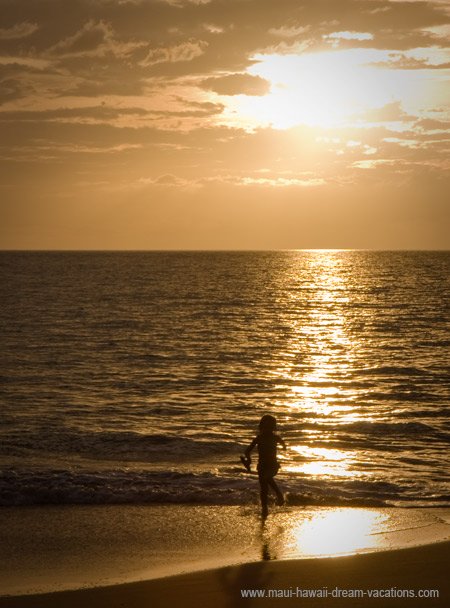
186	51
180	3
349	36
399	61
237	84
105	90
120	117
95	38
289	31
27	62
391	112
282	182
86	40
17	75
167	180
20	30
74	114
11	89
430	124
370	164
170	180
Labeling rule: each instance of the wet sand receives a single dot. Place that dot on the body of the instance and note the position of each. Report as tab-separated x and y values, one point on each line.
389	572
69	564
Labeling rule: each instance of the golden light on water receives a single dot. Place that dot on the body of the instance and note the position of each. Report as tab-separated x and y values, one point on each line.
320	340
323	461
328	531
337	531
314	378
333	531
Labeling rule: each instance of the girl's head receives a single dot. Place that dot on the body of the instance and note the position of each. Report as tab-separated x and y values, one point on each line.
267	424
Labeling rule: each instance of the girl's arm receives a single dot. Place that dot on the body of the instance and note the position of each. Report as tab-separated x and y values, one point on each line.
250	447
280	440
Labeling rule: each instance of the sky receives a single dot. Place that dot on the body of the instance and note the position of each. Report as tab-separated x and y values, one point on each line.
224	124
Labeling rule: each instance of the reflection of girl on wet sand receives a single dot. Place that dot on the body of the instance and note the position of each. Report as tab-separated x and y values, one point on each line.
268	466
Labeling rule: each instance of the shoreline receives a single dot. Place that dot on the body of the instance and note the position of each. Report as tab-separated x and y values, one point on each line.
65	549
62	548
390	572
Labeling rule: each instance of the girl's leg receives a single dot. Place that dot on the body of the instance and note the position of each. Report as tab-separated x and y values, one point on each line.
273	484
264	487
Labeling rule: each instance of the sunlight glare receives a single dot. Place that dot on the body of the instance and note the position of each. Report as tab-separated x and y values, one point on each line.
323	461
337	532
325	89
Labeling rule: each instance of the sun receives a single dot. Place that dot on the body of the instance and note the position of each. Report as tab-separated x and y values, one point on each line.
329	89
317	89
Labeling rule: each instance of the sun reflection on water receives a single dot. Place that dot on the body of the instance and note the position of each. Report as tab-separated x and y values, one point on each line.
323	461
336	531
325	532
320	345
315	379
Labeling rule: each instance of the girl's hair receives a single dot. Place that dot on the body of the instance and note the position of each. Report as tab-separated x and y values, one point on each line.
267	424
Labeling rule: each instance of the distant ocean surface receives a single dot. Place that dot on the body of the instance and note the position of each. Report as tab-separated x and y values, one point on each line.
140	377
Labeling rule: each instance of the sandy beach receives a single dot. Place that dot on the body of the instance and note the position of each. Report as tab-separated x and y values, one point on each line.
390	574
215	556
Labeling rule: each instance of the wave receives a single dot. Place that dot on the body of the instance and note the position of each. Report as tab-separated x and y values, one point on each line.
394	370
126	445
388	428
365	434
19	487
50	441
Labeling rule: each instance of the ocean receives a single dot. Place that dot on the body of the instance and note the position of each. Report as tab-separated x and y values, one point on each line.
140	377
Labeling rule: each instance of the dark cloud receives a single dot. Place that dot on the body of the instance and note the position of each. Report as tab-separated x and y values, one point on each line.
11	88
144	74
237	84
106	114
184	51
92	87
248	25
17	80
87	39
19	30
99	112
109	47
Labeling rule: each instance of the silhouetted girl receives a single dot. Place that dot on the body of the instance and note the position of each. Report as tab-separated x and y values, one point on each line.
268	466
